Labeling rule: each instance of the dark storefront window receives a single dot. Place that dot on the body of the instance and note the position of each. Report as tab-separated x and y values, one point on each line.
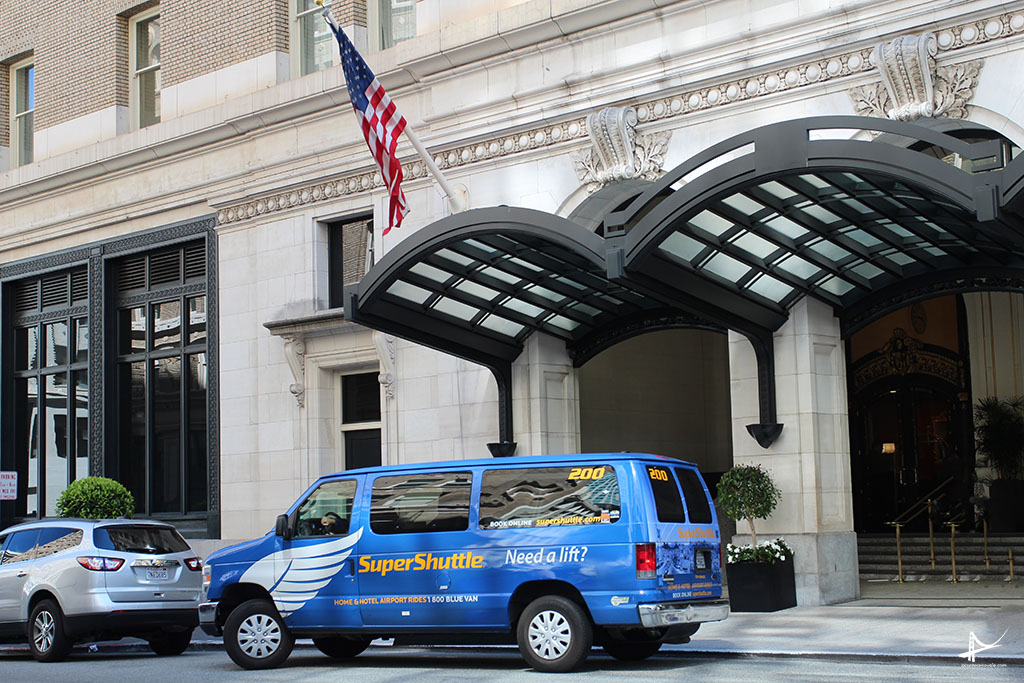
162	454
51	388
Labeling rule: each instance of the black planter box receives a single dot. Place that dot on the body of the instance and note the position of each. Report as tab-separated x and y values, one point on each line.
760	586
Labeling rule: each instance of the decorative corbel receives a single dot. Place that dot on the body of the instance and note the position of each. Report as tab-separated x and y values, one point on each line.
295	354
617	152
385	344
912	85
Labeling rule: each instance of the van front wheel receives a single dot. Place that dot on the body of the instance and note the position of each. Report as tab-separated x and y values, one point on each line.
255	636
554	634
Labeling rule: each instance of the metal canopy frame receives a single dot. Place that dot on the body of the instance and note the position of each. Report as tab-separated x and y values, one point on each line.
730	239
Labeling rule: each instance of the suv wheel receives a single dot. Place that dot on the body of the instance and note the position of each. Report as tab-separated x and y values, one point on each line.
170	643
255	636
46	638
554	634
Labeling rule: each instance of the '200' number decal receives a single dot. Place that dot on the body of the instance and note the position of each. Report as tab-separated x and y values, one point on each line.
586	473
657	473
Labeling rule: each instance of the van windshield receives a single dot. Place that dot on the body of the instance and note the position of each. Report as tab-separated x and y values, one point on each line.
151	540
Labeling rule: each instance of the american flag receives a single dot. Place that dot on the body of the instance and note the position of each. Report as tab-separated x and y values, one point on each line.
379	118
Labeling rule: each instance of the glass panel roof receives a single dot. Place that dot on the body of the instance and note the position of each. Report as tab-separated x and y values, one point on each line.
682	246
520	306
829	250
758	246
477	290
784	226
711	222
743	204
455	256
836	286
499	274
797	266
455	308
502	326
546	293
563	322
404	290
726	267
430	272
778	189
770	288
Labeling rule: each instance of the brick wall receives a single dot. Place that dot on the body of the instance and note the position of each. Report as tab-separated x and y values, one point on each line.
81	49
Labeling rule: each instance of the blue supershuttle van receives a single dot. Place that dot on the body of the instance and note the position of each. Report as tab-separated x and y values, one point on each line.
555	553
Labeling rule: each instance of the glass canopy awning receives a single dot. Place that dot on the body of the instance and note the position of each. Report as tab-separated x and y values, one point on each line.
862	214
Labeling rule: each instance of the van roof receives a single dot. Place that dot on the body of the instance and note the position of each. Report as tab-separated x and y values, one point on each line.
513	460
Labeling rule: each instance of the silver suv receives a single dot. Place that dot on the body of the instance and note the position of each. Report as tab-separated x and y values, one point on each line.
70	580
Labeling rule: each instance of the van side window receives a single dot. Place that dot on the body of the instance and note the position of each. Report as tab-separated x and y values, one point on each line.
414	503
328	510
667	500
549	496
696	498
55	539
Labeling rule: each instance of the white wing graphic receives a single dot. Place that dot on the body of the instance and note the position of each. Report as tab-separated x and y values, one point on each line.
308	568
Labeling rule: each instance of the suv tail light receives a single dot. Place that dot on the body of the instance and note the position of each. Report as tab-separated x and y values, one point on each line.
646	561
194	563
101	564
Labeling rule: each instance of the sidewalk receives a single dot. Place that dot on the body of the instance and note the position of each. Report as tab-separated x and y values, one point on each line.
932	619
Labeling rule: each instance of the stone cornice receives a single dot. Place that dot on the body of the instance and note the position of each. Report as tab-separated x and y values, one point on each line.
847	65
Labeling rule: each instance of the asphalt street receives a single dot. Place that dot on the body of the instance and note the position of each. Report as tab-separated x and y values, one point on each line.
496	665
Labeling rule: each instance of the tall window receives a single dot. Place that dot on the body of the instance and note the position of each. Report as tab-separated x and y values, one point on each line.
51	388
312	39
397	20
350	249
23	104
162	379
144	51
360	419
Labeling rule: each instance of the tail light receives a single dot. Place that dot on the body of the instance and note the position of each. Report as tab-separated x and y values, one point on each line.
646	561
194	563
207	573
101	564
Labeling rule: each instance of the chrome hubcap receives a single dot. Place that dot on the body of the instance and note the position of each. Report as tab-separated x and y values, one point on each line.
42	631
550	634
259	636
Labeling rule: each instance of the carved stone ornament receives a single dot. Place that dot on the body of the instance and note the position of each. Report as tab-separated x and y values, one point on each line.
617	152
913	86
295	354
385	344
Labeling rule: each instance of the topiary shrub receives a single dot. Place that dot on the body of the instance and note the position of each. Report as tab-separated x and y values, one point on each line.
95	498
748	492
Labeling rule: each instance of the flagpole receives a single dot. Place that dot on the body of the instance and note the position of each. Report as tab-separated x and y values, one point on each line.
451	194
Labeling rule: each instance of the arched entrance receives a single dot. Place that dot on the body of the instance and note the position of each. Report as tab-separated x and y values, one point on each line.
910	413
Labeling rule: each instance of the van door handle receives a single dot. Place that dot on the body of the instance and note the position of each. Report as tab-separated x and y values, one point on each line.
351	564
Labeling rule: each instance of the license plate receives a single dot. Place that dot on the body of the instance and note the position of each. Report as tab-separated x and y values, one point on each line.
701	561
156	574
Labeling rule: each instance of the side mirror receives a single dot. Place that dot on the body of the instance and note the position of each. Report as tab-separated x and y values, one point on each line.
281	528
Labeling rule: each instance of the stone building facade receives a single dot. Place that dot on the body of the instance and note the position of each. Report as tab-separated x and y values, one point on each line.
178	286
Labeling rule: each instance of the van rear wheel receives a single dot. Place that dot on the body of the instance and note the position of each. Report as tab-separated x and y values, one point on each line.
631	650
341	647
256	637
554	634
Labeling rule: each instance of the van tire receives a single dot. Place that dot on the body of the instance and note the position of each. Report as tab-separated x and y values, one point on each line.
46	638
554	634
631	650
341	647
256	637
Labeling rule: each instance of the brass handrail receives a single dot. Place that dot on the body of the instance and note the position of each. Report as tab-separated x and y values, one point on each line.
924	504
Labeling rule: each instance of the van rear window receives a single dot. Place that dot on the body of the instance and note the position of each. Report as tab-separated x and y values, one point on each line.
667	500
696	498
417	503
549	496
151	540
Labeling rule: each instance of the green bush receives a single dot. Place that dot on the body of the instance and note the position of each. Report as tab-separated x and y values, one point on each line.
95	498
748	492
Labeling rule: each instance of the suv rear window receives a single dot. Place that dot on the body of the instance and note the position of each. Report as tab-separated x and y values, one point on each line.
549	496
151	540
